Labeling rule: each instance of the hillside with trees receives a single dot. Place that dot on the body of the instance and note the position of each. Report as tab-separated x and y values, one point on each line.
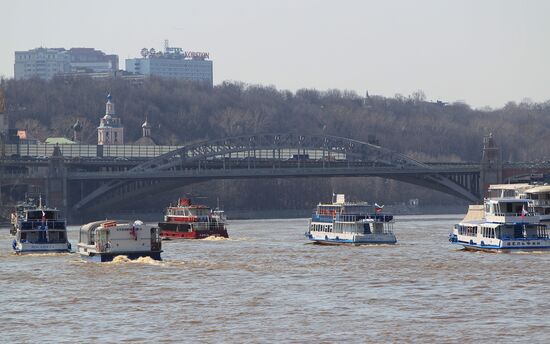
182	112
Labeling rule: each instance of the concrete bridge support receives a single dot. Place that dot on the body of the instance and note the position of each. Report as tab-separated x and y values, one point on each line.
491	165
56	185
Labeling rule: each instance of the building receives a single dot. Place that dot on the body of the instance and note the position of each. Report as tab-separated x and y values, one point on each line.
145	139
89	60
110	130
47	62
41	62
173	63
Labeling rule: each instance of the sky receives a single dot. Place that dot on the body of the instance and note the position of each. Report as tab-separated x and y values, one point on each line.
482	52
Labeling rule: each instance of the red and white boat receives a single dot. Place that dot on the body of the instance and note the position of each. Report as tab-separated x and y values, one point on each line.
191	221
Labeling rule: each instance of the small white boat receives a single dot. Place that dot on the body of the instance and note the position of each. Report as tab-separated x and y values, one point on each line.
101	241
342	222
501	225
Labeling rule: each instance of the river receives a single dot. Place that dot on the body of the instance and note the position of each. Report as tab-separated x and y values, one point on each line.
267	284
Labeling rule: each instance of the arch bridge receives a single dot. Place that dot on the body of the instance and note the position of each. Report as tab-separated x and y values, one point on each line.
273	156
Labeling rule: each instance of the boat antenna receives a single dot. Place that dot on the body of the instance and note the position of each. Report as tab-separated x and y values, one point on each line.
40	201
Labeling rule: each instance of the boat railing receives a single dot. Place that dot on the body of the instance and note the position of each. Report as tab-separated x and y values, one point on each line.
540	202
515	214
39	224
321	218
351	217
355	218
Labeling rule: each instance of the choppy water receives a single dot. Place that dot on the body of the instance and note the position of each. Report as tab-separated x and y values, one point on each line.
266	284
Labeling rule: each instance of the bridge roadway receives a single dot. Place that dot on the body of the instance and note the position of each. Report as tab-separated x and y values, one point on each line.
122	169
240	169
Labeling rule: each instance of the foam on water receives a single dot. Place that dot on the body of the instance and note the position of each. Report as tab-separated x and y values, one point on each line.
215	238
122	259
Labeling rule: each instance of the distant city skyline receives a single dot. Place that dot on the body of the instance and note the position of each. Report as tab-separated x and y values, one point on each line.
484	53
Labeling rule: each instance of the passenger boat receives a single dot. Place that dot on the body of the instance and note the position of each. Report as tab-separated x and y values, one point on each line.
538	196
501	225
192	221
342	222
101	241
18	214
539	201
40	229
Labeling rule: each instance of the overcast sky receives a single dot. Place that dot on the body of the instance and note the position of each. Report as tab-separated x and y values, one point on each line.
485	53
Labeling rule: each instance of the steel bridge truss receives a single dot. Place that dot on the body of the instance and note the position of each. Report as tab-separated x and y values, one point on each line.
319	150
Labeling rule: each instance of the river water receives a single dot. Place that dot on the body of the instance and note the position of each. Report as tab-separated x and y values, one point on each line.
267	284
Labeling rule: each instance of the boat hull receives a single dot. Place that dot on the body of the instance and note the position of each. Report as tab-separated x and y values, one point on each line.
22	248
166	234
507	246
351	239
108	257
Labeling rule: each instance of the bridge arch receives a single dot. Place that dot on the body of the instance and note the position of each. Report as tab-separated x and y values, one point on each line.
323	149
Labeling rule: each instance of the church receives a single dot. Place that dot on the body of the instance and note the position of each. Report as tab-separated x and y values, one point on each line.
111	130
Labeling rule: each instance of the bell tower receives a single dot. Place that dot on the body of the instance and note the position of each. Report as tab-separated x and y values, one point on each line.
110	130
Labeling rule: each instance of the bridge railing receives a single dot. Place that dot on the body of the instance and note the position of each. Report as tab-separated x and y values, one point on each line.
87	151
138	151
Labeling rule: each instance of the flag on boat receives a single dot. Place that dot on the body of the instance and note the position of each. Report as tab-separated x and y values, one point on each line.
523	212
43	216
378	208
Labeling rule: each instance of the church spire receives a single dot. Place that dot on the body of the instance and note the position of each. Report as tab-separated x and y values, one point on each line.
146	128
109	106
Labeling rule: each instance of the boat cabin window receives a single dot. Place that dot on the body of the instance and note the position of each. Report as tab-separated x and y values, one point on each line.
515	207
200	211
467	230
489	232
37	215
329	210
357	209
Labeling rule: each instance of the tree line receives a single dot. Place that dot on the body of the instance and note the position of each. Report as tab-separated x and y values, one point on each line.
182	112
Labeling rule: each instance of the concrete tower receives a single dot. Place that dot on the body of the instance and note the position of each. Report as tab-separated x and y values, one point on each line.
491	164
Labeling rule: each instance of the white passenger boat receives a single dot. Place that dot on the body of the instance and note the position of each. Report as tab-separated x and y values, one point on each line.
342	222
501	225
539	201
101	241
40	229
538	196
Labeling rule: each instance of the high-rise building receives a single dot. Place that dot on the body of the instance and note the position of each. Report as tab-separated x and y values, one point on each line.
47	62
41	62
173	63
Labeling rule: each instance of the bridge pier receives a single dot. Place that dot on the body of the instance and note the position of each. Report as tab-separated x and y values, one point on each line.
56	184
491	165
